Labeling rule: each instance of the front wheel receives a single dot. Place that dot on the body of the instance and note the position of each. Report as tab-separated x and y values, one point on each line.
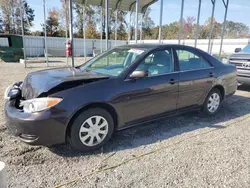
91	129
212	103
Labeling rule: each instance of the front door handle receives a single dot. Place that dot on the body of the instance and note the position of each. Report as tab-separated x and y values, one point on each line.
172	81
211	74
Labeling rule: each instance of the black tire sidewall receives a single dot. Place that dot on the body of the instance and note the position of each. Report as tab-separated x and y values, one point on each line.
73	136
205	108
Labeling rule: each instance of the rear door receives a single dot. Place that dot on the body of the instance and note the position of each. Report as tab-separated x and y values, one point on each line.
195	79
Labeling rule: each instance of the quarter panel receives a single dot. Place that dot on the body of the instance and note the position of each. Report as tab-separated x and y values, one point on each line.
227	77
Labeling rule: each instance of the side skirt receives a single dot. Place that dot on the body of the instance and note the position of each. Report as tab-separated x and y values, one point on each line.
159	117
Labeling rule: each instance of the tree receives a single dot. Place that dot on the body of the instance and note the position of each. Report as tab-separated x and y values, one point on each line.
121	25
37	33
188	27
147	24
11	13
170	31
8	14
216	28
236	30
83	20
155	32
1	23
52	23
203	32
91	32
64	14
28	18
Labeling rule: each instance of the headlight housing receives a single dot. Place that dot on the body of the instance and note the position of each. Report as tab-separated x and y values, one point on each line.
39	104
12	90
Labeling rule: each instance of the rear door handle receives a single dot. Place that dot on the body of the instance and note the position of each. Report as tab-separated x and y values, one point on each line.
172	81
211	74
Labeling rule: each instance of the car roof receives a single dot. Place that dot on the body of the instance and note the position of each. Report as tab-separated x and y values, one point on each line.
151	46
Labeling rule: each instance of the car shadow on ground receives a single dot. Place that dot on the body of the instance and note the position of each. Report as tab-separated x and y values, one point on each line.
150	133
244	88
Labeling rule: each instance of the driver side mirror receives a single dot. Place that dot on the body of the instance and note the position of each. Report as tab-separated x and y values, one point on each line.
138	74
237	50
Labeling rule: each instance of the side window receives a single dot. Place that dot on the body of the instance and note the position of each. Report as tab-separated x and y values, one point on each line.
149	59
4	42
190	61
157	63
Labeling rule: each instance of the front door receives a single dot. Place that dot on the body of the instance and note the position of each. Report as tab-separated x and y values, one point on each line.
155	94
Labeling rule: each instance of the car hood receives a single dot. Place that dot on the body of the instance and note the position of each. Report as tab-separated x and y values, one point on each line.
240	56
40	82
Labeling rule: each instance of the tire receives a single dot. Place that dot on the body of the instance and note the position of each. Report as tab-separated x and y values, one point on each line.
85	129
207	109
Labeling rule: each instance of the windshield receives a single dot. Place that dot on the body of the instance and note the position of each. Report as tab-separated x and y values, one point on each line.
246	49
112	63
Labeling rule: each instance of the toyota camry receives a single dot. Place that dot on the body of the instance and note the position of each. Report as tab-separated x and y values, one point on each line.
123	87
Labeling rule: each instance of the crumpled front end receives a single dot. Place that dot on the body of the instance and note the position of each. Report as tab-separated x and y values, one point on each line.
42	128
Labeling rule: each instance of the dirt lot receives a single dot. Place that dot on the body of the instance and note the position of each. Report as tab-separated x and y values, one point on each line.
186	151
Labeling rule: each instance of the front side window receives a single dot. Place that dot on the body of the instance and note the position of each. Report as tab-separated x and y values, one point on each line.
191	61
112	63
157	63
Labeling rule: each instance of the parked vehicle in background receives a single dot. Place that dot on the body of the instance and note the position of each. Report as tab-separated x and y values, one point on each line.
123	87
241	59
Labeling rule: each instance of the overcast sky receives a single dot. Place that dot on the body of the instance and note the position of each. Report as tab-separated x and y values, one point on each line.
238	10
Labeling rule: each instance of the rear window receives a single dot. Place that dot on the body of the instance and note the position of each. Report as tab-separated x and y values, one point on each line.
4	42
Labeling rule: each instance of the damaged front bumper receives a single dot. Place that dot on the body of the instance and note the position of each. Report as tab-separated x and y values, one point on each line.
42	128
13	90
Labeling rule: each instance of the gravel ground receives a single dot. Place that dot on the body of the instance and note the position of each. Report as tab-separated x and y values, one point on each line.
185	151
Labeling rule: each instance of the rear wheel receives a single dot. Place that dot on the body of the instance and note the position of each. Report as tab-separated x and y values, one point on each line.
91	129
213	102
